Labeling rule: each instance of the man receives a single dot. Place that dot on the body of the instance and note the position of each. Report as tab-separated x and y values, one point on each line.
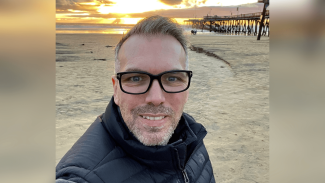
144	136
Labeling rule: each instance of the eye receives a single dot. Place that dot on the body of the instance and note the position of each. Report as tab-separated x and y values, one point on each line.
135	78
171	79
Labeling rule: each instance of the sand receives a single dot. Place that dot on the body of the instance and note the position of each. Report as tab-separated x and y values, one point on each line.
229	96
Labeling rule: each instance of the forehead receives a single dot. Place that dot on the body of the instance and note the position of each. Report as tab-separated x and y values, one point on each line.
151	53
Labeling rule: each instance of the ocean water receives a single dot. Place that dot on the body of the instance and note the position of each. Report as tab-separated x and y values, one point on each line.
92	28
123	28
100	28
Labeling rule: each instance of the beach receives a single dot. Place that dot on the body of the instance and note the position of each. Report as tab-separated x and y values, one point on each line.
229	95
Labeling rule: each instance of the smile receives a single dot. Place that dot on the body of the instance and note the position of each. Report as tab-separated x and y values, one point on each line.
153	118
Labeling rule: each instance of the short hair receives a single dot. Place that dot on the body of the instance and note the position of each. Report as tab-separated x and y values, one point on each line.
154	25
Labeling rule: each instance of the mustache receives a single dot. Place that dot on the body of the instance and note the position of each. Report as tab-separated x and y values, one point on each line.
150	108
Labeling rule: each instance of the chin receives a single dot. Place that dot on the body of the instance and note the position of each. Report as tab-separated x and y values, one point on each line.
154	137
151	133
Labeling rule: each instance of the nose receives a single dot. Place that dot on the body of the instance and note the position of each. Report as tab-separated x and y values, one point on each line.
155	95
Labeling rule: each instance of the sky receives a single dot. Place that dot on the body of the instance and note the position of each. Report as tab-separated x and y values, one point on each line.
131	11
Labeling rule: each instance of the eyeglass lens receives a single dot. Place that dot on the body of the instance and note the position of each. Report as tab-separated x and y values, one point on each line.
139	82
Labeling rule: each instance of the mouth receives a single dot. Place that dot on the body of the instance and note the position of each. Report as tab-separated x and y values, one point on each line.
157	120
153	118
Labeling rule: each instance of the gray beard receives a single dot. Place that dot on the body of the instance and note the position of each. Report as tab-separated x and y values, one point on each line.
145	140
153	139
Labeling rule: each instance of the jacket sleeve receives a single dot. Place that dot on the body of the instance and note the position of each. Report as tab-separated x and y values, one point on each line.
63	181
70	179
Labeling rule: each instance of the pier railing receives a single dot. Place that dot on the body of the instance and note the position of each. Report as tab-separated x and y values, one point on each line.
248	15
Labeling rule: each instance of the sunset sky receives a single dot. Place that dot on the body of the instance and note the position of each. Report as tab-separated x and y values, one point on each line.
131	11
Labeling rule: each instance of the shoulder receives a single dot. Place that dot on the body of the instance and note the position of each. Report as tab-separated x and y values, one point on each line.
196	127
94	144
199	165
94	149
96	157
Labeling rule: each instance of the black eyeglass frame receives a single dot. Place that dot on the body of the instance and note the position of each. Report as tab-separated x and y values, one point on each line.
153	77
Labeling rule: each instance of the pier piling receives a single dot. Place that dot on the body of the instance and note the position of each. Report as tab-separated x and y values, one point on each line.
252	23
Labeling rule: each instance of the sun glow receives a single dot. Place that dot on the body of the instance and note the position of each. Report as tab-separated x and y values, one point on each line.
107	20
227	2
77	11
103	9
123	11
131	6
91	3
130	20
65	15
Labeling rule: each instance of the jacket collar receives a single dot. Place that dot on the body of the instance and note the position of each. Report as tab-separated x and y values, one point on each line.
152	156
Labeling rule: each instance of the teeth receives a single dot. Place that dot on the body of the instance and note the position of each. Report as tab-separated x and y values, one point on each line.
159	118
154	118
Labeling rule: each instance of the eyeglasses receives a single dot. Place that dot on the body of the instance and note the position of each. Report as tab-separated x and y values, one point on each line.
139	82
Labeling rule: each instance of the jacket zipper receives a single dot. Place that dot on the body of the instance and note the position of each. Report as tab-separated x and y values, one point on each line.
185	176
186	179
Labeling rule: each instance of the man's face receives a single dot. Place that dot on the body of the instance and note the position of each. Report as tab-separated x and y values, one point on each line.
152	54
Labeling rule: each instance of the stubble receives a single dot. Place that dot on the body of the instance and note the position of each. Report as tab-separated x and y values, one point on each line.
150	136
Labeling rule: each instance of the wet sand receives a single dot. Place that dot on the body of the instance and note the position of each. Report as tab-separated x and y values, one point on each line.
229	96
236	111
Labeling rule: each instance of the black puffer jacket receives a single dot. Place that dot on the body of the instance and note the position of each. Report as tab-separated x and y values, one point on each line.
109	153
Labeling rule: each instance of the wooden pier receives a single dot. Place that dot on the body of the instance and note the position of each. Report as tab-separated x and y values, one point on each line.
243	23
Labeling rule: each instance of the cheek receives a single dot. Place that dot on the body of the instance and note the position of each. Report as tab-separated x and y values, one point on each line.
177	101
132	101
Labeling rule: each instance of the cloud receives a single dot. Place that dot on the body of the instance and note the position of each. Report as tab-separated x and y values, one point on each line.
116	21
202	2
107	2
171	2
190	12
198	12
192	3
60	4
74	4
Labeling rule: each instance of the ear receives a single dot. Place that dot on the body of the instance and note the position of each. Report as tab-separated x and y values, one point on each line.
115	88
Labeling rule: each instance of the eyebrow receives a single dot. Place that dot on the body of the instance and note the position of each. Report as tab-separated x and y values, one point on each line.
137	69
134	69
